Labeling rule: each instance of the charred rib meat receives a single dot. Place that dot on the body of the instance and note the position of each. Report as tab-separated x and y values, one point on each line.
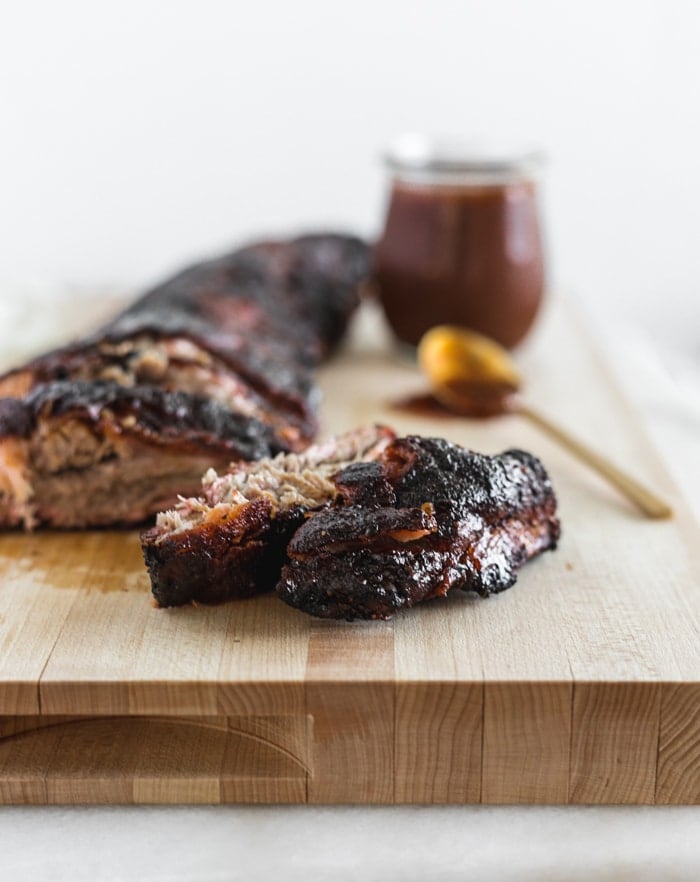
359	527
231	541
217	364
426	517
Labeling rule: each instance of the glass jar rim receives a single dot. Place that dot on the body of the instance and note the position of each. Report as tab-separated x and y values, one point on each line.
417	155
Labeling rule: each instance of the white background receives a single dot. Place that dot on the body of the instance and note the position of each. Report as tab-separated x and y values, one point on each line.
137	135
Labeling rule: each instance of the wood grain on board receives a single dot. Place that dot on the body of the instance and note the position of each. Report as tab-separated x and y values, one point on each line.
579	685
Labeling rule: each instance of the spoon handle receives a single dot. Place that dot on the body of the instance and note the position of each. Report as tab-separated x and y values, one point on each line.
644	499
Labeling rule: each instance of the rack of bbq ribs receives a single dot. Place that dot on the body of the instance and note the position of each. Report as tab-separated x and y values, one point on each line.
212	373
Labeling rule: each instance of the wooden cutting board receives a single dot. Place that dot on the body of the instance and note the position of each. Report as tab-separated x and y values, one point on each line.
581	684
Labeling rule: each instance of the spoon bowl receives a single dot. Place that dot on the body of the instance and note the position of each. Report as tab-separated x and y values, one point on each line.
469	373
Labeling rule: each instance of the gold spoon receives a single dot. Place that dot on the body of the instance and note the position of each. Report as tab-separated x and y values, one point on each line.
474	376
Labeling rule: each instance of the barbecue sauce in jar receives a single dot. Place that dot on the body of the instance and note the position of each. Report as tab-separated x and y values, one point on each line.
461	243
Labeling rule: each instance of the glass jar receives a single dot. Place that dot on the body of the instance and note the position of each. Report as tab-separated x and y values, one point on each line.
461	242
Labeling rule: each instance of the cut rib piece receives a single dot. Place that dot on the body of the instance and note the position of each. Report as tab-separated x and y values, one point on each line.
426	517
217	364
230	542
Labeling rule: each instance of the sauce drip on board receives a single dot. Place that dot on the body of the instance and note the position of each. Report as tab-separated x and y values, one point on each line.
478	402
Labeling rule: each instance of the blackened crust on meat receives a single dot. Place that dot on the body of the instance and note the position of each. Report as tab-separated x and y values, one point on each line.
362	585
160	417
216	563
268	313
327	274
491	514
313	281
463	482
234	555
16	419
346	529
365	483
